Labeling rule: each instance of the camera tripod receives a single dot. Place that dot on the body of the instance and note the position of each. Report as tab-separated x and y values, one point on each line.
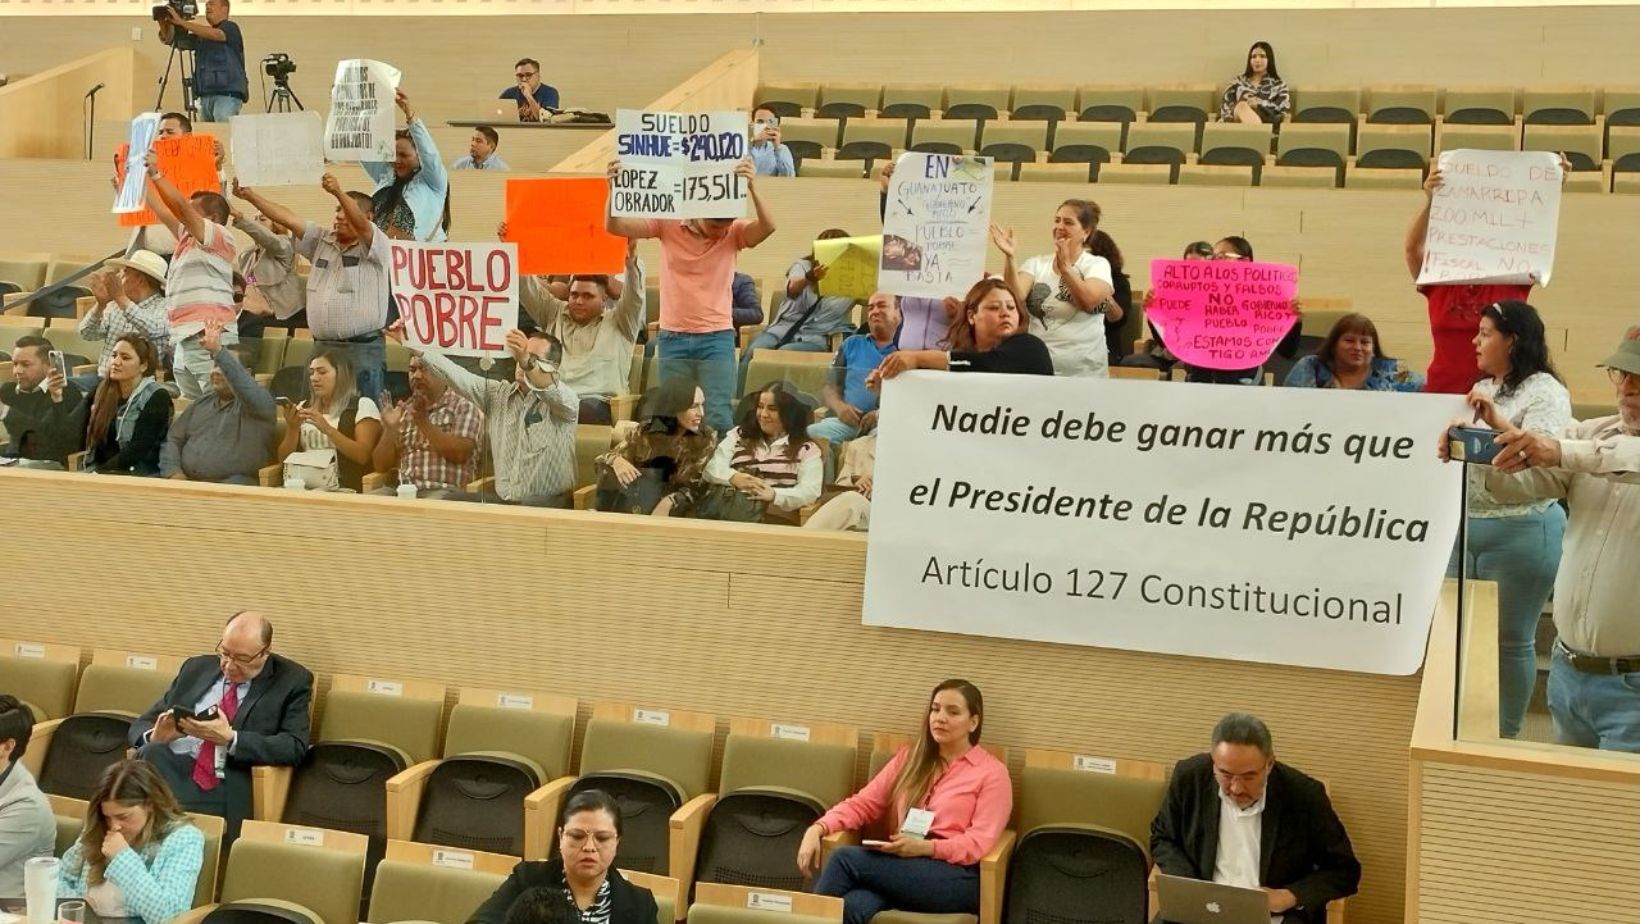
282	97
181	58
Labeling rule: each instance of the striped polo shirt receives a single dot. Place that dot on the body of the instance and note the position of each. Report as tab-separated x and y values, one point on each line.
199	282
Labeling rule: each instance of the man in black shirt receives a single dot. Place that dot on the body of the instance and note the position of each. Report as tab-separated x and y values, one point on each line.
44	413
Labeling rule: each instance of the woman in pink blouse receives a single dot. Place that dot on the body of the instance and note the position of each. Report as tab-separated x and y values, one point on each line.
945	775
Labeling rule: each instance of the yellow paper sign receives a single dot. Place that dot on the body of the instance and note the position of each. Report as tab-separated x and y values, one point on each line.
851	265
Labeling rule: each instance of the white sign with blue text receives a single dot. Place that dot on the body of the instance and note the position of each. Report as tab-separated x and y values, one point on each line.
679	165
936	225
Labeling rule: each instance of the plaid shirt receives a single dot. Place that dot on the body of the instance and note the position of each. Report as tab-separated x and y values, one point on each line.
421	465
158	880
146	319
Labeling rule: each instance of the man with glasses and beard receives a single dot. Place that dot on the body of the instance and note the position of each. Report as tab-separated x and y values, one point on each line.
226	713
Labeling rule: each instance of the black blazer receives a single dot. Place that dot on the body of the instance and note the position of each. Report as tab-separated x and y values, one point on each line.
628	903
273	723
1302	846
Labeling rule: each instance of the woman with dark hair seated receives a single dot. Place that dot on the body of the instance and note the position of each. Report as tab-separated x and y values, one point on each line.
1259	94
667	453
766	468
130	412
945	800
1352	356
987	335
589	832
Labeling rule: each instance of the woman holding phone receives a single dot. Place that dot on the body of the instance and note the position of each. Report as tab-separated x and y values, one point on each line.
945	800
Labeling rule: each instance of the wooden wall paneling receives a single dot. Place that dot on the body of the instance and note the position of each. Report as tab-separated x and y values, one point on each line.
43	113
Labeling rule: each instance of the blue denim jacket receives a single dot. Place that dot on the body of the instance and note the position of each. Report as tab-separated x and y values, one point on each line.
426	190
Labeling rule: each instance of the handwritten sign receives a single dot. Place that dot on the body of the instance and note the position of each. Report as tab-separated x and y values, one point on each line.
558	225
1222	314
456	299
679	165
130	196
278	149
937	223
851	265
1493	219
189	162
361	122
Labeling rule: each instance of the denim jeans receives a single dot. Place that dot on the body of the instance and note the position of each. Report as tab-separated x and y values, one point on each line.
1594	710
708	361
767	341
219	108
369	364
191	364
836	433
869	882
1522	554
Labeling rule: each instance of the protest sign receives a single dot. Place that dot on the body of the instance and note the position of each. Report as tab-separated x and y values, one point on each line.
456	299
361	122
1221	314
851	265
278	149
558	225
189	162
1493	218
1282	525
679	164
937	225
130	196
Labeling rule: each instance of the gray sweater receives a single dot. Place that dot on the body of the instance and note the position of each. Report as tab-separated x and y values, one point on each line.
28	828
213	441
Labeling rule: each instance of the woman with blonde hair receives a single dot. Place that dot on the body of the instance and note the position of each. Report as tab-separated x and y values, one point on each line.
138	855
945	801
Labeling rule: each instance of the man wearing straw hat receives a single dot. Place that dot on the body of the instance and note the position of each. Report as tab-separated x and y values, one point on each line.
130	300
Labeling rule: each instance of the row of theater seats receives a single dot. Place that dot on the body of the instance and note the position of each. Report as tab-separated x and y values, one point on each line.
393	776
1197	102
1322	155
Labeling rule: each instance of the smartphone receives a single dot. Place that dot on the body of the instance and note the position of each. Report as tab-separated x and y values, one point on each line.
183	712
59	362
873	844
1473	444
282	401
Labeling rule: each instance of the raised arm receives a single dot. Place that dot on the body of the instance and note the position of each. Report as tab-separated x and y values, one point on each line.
1420	226
629	309
432	171
281	215
162	200
356	218
762	224
629	228
1019	283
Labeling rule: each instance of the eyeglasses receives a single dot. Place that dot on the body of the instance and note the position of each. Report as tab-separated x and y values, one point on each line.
1619	376
603	840
239	659
524	75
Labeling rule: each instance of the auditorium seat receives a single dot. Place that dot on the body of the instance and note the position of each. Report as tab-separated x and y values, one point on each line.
1215	175
1623	152
1194	103
1558	105
17	326
1326	105
27	271
1056	173
777	780
115	688
1136	373
1397	147
911	100
1402	104
1580	143
1479	106
1136	174
1014	142
1450	137
808	137
500	750
872	139
1042	102
1159	143
1281	177
728	904
1314	145
1110	102
1086	142
802	370
1620	106
315	873
848	100
843	169
668	892
1382	178
657	765
977	101
788	100
933	136
70	815
1084	835
42	675
421	882
1234	143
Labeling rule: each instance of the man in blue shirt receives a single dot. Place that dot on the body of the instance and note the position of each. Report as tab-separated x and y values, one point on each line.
853	406
536	100
481	151
219	64
769	156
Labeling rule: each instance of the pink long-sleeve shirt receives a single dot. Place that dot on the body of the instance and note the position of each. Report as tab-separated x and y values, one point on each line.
971	802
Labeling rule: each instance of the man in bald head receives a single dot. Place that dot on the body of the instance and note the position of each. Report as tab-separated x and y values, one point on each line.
242	707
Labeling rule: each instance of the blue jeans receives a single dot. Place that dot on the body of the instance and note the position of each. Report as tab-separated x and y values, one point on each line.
369	364
707	360
1521	554
219	108
869	882
833	430
1594	710
767	341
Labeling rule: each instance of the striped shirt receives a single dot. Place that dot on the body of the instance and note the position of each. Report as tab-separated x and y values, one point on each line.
347	290
146	319
597	912
796	482
199	281
420	464
532	432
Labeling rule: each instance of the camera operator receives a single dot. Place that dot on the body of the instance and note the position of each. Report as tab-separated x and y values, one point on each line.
219	61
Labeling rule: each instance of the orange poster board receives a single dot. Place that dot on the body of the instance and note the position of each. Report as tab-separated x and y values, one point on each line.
558	224
188	162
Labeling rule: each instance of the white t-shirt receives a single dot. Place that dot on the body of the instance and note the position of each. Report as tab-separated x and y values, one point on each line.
314	438
1075	338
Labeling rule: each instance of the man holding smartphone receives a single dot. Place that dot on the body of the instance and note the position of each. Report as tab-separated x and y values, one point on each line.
225	714
769	156
43	412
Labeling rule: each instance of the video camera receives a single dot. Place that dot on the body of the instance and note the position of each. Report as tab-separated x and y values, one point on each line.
186	9
279	66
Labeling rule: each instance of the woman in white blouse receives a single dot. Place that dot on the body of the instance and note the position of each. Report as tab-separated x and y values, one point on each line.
767	459
1066	293
336	422
1517	545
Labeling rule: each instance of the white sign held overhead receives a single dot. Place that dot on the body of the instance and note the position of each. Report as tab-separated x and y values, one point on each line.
1191	520
679	165
131	196
1493	219
278	149
361	122
936	225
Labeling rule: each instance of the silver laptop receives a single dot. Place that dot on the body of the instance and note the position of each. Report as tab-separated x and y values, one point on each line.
1197	901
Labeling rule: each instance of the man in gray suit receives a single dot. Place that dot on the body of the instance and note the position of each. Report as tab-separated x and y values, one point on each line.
225	714
27	827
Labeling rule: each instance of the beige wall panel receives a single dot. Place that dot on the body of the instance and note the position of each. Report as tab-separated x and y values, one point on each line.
731	620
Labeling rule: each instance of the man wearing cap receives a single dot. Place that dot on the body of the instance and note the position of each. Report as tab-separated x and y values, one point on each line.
1594	674
130	300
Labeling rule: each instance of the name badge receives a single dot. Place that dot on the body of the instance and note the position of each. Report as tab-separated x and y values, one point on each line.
917	822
